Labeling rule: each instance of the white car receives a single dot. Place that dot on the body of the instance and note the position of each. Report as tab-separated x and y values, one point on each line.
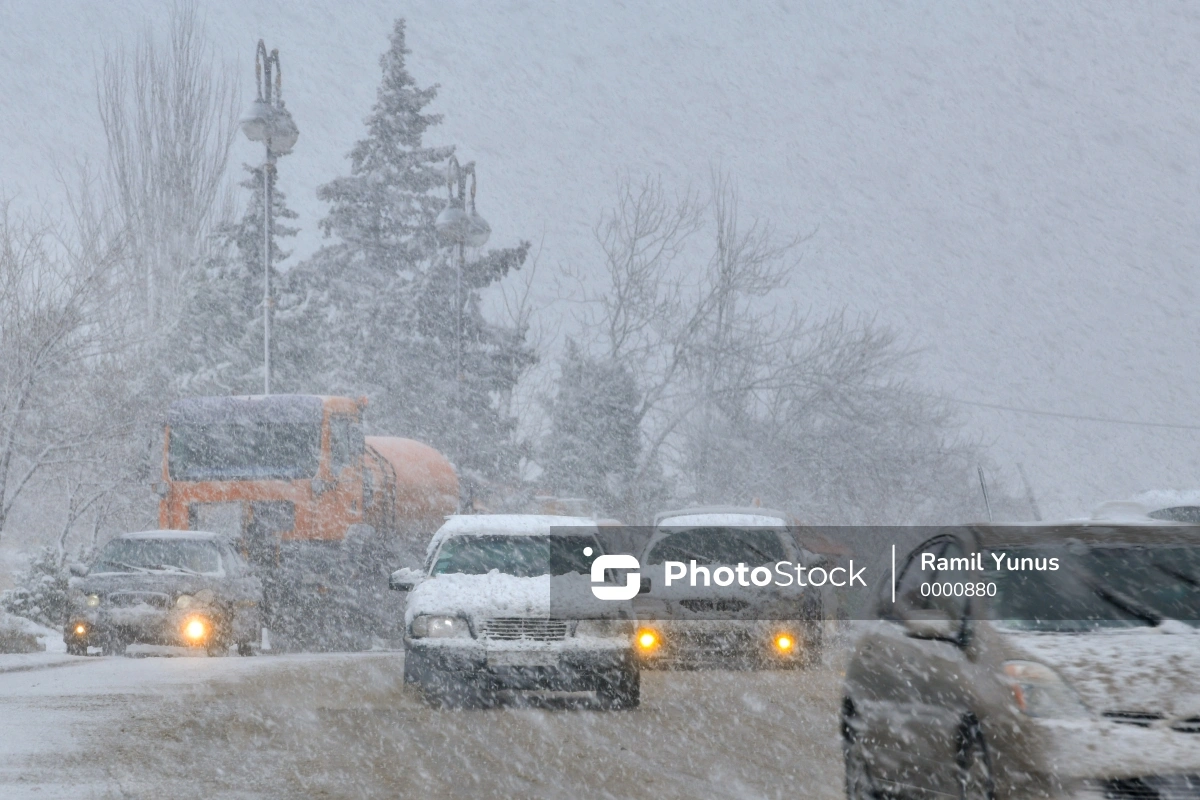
685	625
503	603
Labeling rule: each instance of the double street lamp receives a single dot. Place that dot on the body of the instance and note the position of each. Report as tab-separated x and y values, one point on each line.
460	226
268	121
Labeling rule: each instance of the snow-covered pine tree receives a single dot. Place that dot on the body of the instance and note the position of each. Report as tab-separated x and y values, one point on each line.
373	311
218	344
594	441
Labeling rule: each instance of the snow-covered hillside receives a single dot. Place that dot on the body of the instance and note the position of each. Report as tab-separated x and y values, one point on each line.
1012	184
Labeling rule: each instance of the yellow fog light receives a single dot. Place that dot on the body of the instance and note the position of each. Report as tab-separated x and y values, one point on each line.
647	639
195	630
784	643
80	630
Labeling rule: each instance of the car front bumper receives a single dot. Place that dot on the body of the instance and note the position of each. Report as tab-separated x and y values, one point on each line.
146	626
567	669
724	643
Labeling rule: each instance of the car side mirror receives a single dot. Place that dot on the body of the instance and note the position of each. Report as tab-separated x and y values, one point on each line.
932	624
644	588
404	579
77	569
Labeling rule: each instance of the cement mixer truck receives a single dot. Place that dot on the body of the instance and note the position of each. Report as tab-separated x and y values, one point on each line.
322	511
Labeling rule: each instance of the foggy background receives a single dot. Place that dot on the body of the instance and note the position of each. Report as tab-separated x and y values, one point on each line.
1009	185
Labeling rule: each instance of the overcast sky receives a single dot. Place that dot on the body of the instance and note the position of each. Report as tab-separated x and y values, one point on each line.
1011	185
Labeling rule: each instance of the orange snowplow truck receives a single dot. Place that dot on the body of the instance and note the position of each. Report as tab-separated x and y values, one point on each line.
319	508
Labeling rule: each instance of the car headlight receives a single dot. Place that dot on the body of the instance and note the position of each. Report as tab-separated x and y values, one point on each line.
1039	691
435	626
604	628
92	600
201	598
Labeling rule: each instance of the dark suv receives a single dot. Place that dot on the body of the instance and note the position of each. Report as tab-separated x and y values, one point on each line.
187	588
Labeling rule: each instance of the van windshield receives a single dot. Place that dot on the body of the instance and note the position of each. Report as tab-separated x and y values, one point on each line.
720	546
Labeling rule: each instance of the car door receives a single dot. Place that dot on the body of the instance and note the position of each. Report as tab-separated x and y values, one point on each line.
918	686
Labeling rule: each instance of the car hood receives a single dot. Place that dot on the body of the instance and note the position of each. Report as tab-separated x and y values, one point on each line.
1143	670
499	595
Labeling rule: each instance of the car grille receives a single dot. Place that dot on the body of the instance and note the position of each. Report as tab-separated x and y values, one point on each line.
1191	725
513	629
132	599
1155	787
700	606
1143	719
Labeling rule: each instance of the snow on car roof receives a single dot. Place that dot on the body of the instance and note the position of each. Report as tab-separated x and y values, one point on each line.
1168	498
206	536
1146	503
725	519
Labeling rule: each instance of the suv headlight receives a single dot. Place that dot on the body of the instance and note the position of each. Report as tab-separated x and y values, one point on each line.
433	626
1039	691
604	628
201	598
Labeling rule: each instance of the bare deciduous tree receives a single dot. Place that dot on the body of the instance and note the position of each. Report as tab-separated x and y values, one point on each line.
54	335
169	112
740	395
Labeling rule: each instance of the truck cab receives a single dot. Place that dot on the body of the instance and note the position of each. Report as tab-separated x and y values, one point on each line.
264	469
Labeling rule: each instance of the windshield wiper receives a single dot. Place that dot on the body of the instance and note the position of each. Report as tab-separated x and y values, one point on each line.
122	564
1127	604
173	568
1188	579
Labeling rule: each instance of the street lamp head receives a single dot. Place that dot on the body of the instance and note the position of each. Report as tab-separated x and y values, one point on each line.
451	224
256	122
477	229
283	131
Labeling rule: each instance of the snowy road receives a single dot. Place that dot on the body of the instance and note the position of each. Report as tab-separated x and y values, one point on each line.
344	726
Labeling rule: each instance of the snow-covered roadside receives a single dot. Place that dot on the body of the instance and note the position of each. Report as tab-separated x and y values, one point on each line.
53	705
49	639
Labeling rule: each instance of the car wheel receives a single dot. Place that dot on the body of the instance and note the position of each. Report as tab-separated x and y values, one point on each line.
113	646
975	780
624	690
217	649
77	649
446	691
860	783
245	649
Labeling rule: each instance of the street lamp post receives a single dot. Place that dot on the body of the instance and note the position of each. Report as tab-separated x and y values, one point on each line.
268	121
460	226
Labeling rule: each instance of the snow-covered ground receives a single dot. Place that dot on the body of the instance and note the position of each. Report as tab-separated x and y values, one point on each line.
344	726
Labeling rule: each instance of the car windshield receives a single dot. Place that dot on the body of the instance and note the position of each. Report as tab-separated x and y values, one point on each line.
720	546
522	556
158	555
1098	587
253	450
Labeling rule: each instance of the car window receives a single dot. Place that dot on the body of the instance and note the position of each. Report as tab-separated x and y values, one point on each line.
1096	587
345	442
720	545
916	575
521	556
159	555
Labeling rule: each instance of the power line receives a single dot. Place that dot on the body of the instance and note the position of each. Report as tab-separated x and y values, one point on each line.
1080	417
